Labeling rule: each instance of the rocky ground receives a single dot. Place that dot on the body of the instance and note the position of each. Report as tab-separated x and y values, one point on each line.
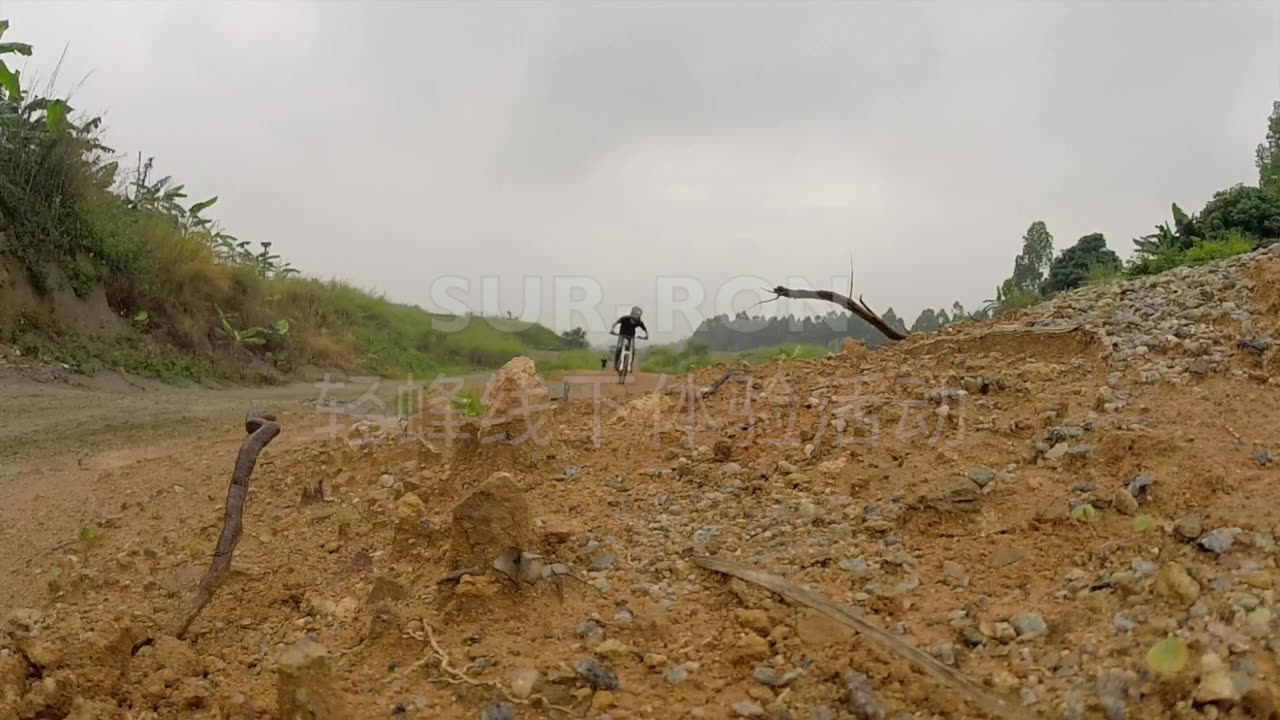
1075	508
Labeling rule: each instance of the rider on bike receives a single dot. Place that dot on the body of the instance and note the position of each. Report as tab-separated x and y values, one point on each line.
625	329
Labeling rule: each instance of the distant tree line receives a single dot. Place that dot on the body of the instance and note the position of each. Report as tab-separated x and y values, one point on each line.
1235	220
741	332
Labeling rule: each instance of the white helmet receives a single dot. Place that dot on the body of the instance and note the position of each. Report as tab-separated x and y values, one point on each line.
635	312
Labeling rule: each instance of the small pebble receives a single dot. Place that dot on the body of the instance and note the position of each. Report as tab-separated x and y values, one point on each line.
765	676
498	711
748	709
945	652
522	682
589	628
1144	567
1111	695
1007	556
1029	625
862	701
1140	486
982	476
857	566
1189	527
596	674
1219	541
1073	706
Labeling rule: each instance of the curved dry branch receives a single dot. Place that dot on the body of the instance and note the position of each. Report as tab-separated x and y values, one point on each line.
857	307
262	429
715	386
921	660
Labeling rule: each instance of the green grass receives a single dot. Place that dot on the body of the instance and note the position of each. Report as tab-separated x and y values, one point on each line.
130	353
67	203
468	403
1211	250
172	367
763	355
674	362
393	339
1102	275
1202	252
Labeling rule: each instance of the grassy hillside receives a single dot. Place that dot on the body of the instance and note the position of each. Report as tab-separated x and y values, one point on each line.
80	222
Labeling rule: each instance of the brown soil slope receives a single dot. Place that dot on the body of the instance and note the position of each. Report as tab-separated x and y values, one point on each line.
1035	504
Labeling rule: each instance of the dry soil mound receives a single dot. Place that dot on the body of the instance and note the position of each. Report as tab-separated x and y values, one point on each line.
1036	504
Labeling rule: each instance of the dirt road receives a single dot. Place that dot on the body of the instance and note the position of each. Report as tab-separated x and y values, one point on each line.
73	451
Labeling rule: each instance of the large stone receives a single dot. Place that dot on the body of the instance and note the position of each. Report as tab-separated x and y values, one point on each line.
517	394
491	519
515	430
1174	582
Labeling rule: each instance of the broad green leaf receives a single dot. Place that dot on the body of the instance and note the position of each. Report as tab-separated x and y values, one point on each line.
253	340
12	47
108	171
10	82
4	27
1168	656
280	327
201	206
55	116
1143	523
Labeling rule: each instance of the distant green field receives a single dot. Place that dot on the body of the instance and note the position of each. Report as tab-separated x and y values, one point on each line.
763	355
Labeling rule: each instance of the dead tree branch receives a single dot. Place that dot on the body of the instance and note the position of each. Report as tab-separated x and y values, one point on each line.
922	661
262	429
715	386
857	307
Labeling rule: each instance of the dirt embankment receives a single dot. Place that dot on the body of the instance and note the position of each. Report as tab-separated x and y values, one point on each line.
1036	506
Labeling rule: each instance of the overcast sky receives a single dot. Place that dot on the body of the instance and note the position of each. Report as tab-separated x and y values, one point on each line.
394	143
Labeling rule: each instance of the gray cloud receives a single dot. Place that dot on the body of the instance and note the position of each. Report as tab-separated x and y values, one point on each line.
392	143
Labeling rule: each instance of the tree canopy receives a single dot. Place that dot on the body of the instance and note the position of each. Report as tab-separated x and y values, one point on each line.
1030	266
1077	263
1250	211
1268	156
